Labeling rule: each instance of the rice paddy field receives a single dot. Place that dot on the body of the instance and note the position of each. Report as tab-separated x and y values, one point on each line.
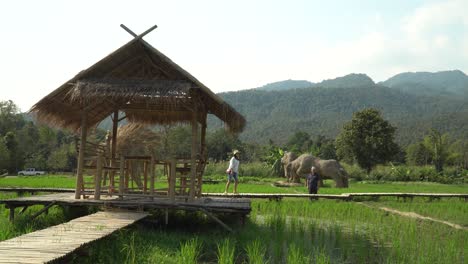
290	231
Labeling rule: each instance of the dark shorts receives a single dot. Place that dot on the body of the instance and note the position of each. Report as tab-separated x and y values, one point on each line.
232	176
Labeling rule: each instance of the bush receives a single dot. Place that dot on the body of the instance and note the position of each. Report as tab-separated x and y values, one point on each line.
254	169
354	171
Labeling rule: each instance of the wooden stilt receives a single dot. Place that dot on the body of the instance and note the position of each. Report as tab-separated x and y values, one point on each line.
79	171
97	179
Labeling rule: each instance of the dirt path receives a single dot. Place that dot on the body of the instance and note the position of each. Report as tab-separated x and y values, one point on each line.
414	215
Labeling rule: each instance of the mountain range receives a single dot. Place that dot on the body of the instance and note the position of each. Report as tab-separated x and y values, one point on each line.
427	83
413	102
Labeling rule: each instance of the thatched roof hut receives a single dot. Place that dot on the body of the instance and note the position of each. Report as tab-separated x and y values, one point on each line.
140	81
148	88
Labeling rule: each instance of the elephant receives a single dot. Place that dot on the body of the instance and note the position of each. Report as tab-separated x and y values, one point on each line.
331	169
285	161
327	169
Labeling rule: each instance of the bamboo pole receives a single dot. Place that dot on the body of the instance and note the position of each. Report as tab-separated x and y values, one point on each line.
193	160
97	179
79	171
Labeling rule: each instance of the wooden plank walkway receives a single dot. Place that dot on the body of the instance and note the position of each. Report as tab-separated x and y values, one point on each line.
344	196
211	204
57	241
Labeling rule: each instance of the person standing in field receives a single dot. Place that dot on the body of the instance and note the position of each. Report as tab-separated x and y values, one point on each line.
312	182
233	171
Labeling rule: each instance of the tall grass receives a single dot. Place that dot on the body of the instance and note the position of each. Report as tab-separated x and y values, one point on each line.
189	252
226	251
256	252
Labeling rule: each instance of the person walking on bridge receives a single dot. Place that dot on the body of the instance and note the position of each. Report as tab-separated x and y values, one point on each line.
233	171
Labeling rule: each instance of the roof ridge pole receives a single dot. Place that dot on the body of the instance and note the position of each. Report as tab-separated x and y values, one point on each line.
135	35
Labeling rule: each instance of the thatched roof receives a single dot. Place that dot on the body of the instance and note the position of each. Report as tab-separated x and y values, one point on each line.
142	82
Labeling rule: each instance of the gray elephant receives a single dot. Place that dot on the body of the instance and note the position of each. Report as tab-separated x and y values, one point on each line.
286	162
331	169
327	169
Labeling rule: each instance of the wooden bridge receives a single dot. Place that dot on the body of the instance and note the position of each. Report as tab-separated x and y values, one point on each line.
273	196
58	241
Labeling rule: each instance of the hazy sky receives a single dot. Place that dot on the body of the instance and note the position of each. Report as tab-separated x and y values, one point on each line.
231	45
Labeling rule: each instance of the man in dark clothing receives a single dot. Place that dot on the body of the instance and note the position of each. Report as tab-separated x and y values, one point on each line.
312	182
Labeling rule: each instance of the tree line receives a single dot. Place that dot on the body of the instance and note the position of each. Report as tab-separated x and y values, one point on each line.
367	140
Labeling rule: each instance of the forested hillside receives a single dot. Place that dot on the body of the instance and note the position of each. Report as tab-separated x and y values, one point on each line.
430	83
277	115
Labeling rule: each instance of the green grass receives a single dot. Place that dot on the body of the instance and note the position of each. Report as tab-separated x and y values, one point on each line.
22	223
253	186
290	231
448	209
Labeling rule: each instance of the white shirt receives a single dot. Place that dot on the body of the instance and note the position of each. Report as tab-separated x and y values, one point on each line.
234	165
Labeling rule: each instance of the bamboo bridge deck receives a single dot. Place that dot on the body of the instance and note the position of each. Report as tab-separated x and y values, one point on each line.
205	204
58	241
344	196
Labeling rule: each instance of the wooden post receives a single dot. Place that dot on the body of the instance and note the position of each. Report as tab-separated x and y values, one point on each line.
203	137
203	155
193	159
172	179
97	179
79	171
122	175
145	176
127	173
152	175
115	123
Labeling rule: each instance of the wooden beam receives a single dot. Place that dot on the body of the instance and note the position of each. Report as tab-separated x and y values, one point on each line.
23	210
217	220
79	171
43	210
